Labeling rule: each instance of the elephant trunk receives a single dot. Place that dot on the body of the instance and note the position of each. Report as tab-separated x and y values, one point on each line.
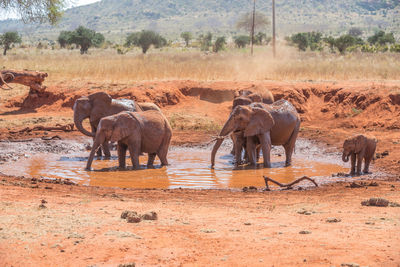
78	119
228	128
345	157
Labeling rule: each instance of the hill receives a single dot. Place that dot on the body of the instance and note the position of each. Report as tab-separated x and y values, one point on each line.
115	18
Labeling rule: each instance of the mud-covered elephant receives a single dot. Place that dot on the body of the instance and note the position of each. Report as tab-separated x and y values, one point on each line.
264	125
140	132
257	95
358	148
100	105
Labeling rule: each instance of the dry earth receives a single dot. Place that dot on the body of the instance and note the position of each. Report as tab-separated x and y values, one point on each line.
81	226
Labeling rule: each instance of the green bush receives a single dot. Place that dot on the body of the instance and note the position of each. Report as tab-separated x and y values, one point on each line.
145	39
242	40
395	48
219	44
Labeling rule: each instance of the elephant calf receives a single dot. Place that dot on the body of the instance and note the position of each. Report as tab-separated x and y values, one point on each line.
359	147
147	131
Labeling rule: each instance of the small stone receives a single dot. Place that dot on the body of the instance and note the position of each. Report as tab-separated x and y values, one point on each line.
42	206
394	205
377	202
247	223
133	219
127	213
132	264
350	265
48	187
333	220
208	231
151	216
304	232
44	201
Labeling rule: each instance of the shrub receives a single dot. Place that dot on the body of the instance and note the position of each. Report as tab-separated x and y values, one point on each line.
219	44
242	40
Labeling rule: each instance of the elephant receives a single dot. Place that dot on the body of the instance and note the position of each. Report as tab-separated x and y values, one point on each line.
99	105
258	95
358	148
140	132
263	125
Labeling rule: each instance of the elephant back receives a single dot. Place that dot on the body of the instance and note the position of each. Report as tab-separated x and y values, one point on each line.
125	105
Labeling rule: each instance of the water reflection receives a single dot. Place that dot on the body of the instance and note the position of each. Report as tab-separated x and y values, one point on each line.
189	168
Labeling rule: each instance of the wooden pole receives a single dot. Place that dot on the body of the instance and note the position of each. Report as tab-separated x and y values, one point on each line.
252	26
273	29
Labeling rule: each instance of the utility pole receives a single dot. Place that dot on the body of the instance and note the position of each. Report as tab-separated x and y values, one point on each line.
273	29
253	26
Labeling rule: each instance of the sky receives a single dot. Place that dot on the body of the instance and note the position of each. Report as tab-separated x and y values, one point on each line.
73	3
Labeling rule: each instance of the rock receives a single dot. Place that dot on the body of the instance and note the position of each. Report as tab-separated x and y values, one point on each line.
333	220
247	223
304	232
377	202
208	231
350	265
127	213
42	206
134	219
44	201
132	264
151	216
394	205
355	185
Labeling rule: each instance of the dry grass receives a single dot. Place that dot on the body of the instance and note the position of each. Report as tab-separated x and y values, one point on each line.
183	121
107	65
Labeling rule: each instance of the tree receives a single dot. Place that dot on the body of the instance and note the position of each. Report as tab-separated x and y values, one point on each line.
35	10
245	22
260	36
9	38
205	41
242	40
186	36
145	39
355	32
219	44
86	38
381	38
344	42
64	38
300	40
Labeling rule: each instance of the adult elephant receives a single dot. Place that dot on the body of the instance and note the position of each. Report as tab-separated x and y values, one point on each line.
147	131
99	105
266	125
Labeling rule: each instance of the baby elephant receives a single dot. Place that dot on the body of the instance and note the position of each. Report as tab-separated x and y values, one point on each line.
147	132
359	147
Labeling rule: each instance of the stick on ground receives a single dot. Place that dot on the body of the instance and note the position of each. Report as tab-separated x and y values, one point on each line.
287	186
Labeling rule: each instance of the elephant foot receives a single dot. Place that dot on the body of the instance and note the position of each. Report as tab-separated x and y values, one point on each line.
367	172
267	165
287	164
122	168
150	166
88	169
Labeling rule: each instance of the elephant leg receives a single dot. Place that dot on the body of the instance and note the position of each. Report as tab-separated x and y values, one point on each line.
134	152
251	151
150	160
233	151
238	146
291	144
265	140
122	154
353	164
106	149
366	166
360	157
163	151
99	154
258	152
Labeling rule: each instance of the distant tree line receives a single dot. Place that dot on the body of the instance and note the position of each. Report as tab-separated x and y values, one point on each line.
380	41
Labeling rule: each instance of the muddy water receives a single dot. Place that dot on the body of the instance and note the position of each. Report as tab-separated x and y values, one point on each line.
189	168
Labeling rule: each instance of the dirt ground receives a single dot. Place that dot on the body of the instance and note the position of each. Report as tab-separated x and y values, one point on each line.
328	226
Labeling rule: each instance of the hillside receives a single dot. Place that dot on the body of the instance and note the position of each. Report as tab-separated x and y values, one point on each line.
170	17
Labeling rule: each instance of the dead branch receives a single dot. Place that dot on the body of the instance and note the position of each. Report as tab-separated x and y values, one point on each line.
287	186
64	128
33	79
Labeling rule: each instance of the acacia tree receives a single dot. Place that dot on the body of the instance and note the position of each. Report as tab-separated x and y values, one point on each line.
64	38
9	38
145	39
35	10
186	36
86	38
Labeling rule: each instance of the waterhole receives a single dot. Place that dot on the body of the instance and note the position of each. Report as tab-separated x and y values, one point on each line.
189	168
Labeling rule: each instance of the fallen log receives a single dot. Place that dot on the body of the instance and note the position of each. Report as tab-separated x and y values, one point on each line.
64	128
287	186
33	79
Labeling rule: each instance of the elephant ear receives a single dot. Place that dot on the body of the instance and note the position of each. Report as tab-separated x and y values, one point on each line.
359	143
124	126
100	98
261	121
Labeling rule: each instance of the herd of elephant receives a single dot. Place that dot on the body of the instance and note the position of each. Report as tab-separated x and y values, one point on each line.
256	122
